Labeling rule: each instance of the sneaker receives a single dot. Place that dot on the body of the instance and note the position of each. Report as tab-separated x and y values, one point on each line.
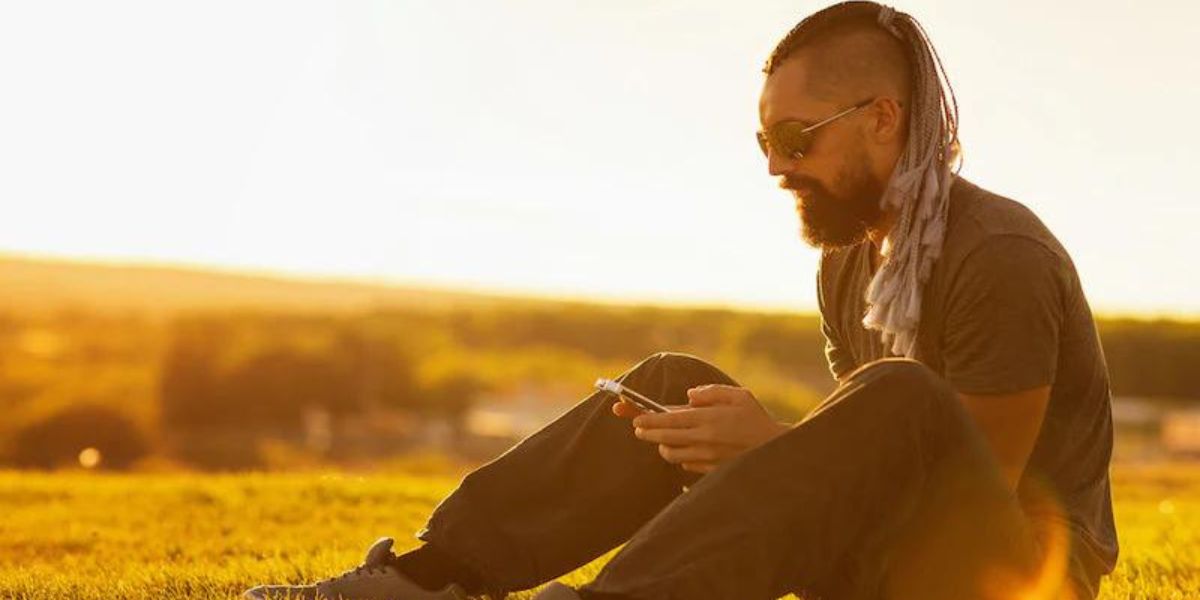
375	579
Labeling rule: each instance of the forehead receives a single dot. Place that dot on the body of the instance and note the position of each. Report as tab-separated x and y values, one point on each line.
788	95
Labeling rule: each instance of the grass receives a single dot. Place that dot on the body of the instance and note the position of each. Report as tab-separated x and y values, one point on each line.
189	537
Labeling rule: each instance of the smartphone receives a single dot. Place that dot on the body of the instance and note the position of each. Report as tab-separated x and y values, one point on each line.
642	402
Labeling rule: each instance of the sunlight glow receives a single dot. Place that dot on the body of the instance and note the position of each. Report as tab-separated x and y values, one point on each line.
601	150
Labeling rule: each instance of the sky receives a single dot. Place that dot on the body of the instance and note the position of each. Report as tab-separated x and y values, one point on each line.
600	150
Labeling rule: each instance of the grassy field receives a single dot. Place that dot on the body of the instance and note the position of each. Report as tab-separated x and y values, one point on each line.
85	536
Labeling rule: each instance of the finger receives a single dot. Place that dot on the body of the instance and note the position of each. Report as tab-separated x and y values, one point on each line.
699	467
693	453
707	419
626	410
713	394
674	419
673	437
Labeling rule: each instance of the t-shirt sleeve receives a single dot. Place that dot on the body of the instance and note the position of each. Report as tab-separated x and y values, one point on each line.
1004	315
841	362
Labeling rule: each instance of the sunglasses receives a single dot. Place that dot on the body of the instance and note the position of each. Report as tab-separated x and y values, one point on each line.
794	138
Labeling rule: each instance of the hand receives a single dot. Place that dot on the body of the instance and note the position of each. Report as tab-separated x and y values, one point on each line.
719	422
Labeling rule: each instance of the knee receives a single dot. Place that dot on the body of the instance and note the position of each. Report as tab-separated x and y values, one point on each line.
688	367
673	372
904	377
678	360
667	359
893	369
891	389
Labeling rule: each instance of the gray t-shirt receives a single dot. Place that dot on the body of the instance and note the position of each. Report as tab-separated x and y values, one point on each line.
1003	311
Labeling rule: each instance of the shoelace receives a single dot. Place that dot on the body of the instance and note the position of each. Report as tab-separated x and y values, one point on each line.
361	570
387	562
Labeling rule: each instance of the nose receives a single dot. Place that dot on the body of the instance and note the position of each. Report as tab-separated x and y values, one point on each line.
778	164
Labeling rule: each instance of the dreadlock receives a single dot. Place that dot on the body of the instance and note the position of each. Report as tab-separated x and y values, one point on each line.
920	183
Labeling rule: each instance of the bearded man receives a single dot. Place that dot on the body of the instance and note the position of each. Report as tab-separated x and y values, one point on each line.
964	453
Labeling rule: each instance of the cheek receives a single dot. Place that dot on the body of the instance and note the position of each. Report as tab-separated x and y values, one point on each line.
833	166
827	175
849	170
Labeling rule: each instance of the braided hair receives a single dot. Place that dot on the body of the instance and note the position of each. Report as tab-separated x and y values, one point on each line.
918	190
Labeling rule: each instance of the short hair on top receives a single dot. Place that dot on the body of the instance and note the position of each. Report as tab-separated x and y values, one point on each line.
827	24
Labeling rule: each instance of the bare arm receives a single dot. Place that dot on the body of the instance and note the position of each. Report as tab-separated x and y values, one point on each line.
1010	423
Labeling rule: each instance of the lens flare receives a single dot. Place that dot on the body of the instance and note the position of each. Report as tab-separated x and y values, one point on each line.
89	458
1048	578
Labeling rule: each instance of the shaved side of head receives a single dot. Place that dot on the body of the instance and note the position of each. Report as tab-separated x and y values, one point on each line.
848	55
855	65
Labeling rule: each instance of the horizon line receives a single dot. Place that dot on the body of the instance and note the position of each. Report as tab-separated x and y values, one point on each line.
503	292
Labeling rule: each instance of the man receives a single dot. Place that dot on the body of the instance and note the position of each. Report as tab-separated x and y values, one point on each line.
963	455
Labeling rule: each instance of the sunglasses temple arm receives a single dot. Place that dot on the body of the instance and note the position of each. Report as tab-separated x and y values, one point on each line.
839	115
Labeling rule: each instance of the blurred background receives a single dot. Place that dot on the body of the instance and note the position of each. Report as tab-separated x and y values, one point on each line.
298	235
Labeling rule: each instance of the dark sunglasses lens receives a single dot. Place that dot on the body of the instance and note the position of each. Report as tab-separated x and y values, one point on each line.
792	139
788	139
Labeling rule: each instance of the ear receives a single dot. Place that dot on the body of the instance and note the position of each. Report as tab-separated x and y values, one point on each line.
890	120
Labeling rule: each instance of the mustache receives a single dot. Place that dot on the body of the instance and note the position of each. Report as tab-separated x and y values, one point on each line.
794	183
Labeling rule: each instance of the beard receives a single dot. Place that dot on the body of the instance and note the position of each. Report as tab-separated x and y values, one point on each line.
837	220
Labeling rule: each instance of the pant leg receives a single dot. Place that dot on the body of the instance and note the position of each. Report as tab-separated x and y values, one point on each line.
887	490
1084	572
570	492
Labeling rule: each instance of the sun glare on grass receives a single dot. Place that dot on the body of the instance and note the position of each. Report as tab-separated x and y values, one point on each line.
89	458
1166	507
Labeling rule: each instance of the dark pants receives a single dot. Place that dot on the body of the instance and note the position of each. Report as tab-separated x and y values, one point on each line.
886	490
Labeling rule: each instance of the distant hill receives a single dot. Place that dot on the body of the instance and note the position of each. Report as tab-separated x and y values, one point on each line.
1146	358
46	285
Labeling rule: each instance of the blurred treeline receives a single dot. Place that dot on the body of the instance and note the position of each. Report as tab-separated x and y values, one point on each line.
264	388
208	389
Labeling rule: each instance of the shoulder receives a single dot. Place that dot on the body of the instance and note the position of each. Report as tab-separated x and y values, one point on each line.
987	228
1012	259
